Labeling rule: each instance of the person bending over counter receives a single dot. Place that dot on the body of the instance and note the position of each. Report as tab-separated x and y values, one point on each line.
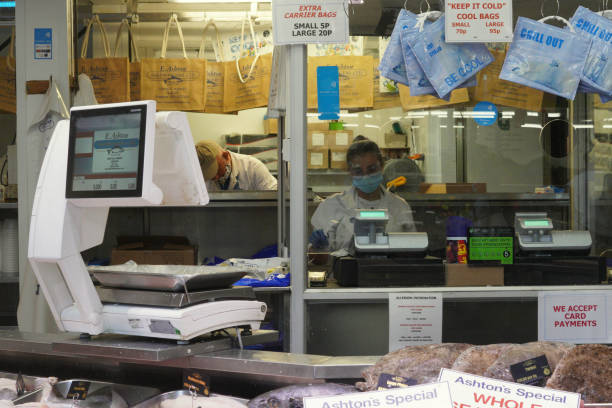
332	220
225	170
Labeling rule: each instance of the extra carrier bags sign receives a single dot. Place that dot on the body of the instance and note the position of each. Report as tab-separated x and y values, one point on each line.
310	22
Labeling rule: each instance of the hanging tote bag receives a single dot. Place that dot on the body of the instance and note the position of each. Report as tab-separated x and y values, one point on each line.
175	83
8	96
134	65
215	72
247	80
356	80
491	88
109	76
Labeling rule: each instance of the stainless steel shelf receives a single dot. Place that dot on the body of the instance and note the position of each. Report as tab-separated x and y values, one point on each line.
469	293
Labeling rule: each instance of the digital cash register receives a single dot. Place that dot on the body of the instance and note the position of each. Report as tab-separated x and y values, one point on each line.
546	256
109	156
387	258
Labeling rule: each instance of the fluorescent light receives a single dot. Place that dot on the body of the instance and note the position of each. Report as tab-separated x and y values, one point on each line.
311	114
351	125
459	126
536	114
443	126
367	115
416	127
372	126
607	126
554	115
395	117
532	125
583	126
508	113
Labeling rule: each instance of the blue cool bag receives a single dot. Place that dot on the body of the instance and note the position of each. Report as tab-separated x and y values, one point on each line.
597	73
417	80
392	62
447	65
546	57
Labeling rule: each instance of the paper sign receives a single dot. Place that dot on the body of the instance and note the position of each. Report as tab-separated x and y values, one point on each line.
473	391
478	20
414	319
43	44
420	396
575	316
310	21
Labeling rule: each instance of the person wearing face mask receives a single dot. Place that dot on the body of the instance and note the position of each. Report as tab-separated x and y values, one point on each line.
332	220
225	170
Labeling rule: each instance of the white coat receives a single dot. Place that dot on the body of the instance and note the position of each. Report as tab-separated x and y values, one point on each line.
334	215
248	173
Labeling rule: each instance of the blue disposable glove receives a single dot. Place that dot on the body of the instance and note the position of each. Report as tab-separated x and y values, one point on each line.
318	239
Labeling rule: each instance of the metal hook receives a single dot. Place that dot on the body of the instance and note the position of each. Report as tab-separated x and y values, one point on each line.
542	8
406	2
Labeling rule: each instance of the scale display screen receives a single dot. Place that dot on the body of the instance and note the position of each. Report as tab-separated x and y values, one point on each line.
536	223
372	214
106	152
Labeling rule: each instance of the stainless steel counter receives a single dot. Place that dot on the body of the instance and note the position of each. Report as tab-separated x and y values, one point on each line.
218	356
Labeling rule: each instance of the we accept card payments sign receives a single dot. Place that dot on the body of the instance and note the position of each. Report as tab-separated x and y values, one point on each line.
473	391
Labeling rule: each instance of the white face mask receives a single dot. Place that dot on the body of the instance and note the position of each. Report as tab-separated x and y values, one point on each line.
228	172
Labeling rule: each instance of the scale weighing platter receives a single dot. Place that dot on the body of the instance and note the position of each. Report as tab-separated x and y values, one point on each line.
173	278
172	299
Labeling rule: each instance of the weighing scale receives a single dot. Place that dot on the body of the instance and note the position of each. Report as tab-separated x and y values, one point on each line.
546	256
120	155
387	258
535	233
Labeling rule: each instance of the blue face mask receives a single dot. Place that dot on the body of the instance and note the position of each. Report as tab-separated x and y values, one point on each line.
368	184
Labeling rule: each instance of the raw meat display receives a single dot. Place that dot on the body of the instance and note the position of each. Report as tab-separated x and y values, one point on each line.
477	359
585	369
8	390
421	363
292	395
517	353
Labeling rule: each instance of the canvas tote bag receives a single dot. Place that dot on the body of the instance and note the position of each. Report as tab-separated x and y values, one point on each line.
8	96
175	83
215	72
134	65
247	80
109	76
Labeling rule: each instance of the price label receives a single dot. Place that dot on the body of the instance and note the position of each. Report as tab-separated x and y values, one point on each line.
534	371
196	382
78	390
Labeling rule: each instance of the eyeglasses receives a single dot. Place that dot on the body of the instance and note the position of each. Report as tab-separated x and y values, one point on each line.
358	171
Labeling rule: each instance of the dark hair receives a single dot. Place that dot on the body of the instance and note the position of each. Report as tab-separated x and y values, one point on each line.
361	147
359	138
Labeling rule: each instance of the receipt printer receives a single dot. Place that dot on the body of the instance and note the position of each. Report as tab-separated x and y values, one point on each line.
535	233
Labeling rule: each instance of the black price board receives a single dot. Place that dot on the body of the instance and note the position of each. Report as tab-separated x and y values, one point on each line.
78	390
387	381
196	382
534	371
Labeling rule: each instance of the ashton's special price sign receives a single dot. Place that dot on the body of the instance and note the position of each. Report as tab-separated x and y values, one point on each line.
310	22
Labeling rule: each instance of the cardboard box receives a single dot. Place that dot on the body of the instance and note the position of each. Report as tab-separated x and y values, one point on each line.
271	126
318	139
452	188
394	140
340	138
318	126
337	158
318	158
155	250
469	275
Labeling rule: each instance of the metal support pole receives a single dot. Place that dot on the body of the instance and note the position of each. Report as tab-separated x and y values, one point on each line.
296	131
